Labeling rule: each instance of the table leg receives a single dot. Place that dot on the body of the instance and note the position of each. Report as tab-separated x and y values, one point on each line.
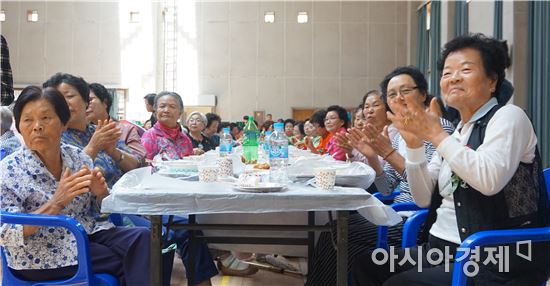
310	241
191	250
342	248
156	250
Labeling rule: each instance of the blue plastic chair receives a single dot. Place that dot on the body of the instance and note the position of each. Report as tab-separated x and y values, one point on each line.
389	197
83	275
489	237
382	239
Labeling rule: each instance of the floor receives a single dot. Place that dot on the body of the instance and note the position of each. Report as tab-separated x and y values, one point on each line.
262	277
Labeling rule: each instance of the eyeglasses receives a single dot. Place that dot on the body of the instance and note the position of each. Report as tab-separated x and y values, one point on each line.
403	91
197	120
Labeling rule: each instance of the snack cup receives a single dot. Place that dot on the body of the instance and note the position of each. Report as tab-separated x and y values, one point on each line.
325	178
225	167
208	174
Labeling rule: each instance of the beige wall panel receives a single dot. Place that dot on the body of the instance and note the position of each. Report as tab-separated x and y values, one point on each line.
381	55
299	93
271	49
326	91
355	11
298	49
216	49
354	49
353	90
243	49
383	12
326	49
326	11
271	97
243	96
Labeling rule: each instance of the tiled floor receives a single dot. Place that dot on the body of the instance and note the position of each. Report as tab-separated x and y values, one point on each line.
262	277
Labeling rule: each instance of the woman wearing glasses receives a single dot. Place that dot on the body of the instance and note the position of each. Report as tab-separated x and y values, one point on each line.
401	83
383	155
196	122
485	176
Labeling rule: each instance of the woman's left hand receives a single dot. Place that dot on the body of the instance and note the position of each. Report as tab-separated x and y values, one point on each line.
341	140
198	151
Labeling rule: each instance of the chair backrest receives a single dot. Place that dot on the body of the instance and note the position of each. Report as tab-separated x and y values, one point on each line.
84	271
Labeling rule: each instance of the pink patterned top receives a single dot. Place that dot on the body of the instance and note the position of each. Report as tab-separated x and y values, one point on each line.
335	151
171	143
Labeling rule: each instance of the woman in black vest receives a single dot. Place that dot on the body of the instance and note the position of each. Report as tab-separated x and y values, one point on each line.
483	177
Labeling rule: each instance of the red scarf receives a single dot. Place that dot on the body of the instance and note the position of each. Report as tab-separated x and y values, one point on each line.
170	133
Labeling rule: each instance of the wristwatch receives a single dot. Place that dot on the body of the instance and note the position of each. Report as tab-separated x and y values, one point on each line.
121	157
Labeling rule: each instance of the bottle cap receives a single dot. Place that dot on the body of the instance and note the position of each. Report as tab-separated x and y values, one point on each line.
226	130
279	126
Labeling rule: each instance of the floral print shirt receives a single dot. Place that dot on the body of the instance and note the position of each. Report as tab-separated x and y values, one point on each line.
108	166
26	184
170	143
9	142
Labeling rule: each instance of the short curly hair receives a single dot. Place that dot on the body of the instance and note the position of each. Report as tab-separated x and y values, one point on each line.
494	54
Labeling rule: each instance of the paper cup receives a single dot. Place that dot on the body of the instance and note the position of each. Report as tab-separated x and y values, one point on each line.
208	174
225	167
325	178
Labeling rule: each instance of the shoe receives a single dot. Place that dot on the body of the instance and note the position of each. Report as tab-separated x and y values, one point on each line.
235	267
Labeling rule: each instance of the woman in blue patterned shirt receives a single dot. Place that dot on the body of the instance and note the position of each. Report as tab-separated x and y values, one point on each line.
101	142
47	177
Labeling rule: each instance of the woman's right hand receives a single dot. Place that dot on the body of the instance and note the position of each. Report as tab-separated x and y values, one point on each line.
105	138
70	186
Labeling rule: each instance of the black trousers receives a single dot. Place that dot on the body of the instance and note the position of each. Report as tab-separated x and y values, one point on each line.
367	271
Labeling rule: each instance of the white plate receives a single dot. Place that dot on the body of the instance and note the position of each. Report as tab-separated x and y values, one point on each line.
262	188
177	173
185	164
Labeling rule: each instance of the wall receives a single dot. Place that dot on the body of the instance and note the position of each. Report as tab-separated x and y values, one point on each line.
343	51
92	39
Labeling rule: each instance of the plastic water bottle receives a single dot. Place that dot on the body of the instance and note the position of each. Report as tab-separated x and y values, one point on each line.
265	145
226	143
250	142
278	155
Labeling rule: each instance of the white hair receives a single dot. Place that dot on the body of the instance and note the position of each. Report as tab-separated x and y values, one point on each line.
203	117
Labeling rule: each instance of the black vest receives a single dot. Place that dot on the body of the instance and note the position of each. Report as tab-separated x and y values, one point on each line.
521	203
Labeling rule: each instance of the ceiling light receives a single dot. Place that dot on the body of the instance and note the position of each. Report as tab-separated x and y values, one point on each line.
32	15
302	17
269	17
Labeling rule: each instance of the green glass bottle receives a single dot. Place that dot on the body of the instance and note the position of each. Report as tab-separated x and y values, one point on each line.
250	142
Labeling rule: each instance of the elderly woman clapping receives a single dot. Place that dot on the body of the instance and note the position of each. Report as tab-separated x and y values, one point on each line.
98	111
47	177
484	176
101	141
196	122
167	140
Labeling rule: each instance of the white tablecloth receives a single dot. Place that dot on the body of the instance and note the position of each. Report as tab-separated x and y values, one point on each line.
139	192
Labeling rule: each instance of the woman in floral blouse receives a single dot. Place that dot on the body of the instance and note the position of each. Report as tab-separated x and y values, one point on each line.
47	177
